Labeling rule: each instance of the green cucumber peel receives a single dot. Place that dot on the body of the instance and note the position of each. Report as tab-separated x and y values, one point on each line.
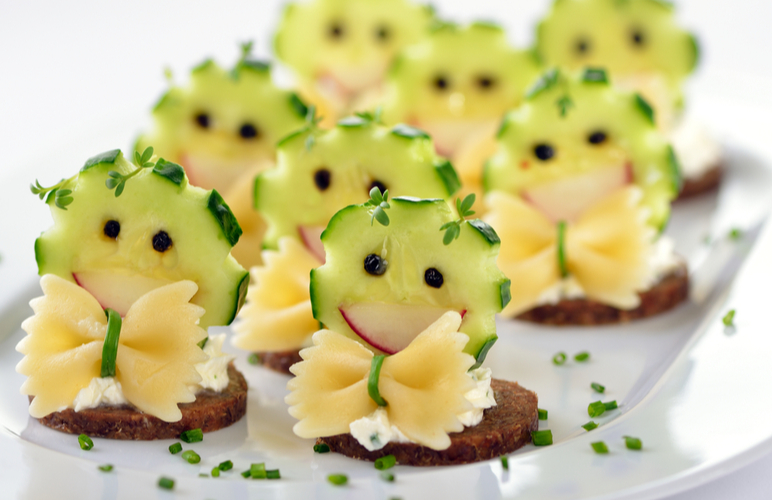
645	108
483	352
106	157
225	218
675	170
449	176
595	75
110	347
505	292
562	264
168	170
486	231
242	296
298	105
372	380
409	132
695	45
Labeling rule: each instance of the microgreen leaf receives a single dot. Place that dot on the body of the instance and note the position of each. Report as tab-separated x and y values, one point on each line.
453	228
61	197
564	103
380	202
117	180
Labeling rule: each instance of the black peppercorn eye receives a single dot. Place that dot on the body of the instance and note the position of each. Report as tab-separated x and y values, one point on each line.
248	131
637	37
202	120
544	152
336	30
382	33
112	229
376	183
161	241
582	46
441	83
375	265
322	179
486	82
433	278
596	138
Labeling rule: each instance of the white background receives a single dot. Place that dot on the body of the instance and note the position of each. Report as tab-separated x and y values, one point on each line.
69	69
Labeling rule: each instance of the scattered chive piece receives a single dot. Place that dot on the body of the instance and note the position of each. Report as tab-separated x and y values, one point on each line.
192	436
542	414
191	456
321	448
542	438
598	388
85	442
735	234
257	471
590	426
386	462
166	483
387	476
201	474
596	409
611	405
582	356
338	479
633	443
246	473
106	468
175	448
729	318
505	463
599	447
227	465
559	358
272	474
215	472
253	359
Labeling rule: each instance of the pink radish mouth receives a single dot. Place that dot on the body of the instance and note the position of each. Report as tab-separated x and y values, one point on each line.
312	239
567	199
116	291
390	327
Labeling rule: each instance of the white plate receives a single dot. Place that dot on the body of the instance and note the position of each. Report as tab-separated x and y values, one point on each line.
684	384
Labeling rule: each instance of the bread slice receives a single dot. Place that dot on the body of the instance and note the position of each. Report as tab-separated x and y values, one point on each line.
504	428
279	361
708	181
209	412
668	293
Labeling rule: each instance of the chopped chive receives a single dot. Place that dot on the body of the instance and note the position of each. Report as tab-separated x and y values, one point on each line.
191	457
338	479
590	426
272	474
611	405
85	442
201	474
166	483
599	447
227	465
246	473
598	388
253	359
541	438
735	234
633	443
542	414
106	468
387	476
386	462
582	356
215	472
728	319
257	471
596	409
321	448
372	380
559	358
175	448
505	463
192	436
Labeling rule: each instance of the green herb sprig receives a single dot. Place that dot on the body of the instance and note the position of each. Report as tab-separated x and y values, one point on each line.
453	228
62	197
371	117
118	180
381	203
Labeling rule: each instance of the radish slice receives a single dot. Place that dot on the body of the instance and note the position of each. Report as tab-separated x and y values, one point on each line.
116	291
312	239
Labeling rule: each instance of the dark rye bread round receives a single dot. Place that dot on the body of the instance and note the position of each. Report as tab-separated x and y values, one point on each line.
702	184
504	428
209	412
668	293
279	361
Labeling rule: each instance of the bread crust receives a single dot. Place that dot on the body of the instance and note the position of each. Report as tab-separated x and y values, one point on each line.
665	295
708	181
504	428
279	361
209	412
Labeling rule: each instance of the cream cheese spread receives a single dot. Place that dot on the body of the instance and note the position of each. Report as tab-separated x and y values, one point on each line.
696	150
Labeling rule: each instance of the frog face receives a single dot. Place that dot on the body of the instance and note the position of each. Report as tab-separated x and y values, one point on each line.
158	231
224	123
575	140
383	285
346	46
457	81
310	184
638	41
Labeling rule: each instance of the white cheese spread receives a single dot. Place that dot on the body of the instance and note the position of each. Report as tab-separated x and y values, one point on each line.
100	391
375	431
696	150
